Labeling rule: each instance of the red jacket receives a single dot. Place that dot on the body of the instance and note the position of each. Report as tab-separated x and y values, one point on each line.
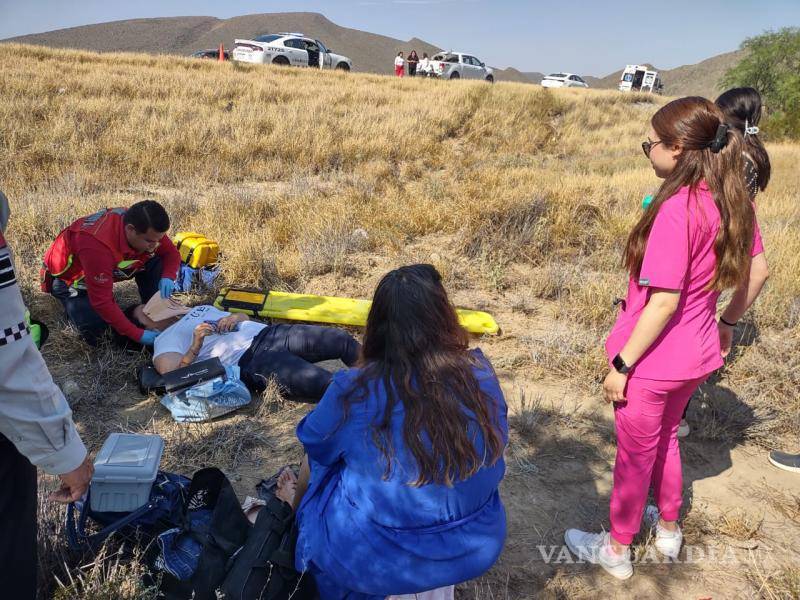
93	253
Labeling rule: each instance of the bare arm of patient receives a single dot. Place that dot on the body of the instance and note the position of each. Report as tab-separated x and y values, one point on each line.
170	361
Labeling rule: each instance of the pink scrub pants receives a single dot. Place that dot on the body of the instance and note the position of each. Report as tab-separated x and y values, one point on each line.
648	452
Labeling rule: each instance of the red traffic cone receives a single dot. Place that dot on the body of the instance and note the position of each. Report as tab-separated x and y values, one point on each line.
221	53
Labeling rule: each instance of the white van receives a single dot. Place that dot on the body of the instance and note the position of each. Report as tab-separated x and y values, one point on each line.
638	78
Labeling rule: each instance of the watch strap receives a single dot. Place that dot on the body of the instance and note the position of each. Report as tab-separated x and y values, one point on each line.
620	365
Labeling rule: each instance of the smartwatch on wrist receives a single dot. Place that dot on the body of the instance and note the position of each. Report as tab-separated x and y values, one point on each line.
620	366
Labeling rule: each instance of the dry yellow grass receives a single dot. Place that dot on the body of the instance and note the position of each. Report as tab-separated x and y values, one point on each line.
523	193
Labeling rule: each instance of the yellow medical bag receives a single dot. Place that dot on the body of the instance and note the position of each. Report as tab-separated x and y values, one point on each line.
196	250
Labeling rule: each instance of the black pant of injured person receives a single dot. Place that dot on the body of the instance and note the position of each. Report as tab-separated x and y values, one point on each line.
287	353
18	505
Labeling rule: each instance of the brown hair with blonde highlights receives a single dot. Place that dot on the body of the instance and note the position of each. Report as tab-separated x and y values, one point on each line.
691	124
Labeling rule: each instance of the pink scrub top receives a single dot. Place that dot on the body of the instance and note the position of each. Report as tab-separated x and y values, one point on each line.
679	256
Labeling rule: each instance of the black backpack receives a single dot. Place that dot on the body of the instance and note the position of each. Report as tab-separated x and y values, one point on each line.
220	540
264	568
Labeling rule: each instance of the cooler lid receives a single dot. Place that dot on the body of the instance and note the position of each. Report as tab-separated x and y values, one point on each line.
128	457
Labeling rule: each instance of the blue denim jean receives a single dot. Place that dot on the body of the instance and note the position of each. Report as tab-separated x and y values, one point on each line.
288	353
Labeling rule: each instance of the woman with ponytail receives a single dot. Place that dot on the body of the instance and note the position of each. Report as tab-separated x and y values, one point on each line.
695	239
742	109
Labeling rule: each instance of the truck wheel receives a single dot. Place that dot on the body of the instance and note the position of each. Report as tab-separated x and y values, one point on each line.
490	79
281	61
343	66
455	76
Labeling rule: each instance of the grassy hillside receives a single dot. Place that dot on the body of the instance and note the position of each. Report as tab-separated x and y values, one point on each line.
370	52
520	174
320	182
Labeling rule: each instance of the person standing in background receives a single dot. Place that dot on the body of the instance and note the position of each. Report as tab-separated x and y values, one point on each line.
424	66
413	59
399	65
36	430
743	109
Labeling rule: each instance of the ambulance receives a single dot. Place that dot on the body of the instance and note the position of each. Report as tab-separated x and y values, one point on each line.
639	78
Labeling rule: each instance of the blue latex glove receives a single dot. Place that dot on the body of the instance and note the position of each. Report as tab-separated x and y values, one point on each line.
166	286
148	337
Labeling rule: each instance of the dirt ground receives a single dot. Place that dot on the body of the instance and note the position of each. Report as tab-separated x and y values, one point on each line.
742	521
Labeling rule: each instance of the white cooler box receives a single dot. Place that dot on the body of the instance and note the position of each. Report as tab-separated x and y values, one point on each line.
124	472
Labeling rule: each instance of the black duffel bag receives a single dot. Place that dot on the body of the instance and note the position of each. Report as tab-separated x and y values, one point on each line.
264	568
220	539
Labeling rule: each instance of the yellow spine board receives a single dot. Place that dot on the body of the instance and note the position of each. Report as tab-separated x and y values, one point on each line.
327	309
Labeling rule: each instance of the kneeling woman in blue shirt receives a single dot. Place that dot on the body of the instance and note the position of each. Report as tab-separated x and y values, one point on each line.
405	454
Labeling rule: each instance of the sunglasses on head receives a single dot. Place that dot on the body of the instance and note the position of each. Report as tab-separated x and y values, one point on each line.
648	145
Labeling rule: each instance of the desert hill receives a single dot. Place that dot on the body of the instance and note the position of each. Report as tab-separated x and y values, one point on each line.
370	52
700	79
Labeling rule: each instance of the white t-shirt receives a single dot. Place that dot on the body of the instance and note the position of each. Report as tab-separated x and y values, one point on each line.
398	62
228	347
424	64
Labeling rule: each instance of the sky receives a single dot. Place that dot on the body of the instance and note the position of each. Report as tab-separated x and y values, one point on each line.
589	37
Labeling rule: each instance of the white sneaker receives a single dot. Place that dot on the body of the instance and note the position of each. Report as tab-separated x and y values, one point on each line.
683	429
667	542
595	548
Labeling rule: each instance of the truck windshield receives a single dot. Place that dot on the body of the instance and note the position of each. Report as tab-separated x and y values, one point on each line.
627	77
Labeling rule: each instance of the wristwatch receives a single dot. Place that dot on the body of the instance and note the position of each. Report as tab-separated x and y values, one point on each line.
620	365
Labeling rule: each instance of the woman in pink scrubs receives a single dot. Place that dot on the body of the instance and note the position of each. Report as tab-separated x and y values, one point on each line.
696	238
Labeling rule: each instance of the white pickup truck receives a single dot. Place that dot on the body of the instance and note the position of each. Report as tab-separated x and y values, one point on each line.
456	65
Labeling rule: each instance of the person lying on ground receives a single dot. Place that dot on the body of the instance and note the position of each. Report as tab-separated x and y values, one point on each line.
398	493
114	244
285	352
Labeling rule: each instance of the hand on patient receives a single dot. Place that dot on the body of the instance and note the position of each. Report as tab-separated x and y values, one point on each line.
230	323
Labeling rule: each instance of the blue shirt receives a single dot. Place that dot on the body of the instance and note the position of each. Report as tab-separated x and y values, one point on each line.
363	533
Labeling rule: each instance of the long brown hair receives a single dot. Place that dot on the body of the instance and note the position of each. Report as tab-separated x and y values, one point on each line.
692	124
742	108
414	344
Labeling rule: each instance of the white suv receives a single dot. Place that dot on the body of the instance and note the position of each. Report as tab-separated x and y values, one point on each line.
287	49
557	80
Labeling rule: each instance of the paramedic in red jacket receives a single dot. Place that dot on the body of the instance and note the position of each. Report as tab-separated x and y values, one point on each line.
114	244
